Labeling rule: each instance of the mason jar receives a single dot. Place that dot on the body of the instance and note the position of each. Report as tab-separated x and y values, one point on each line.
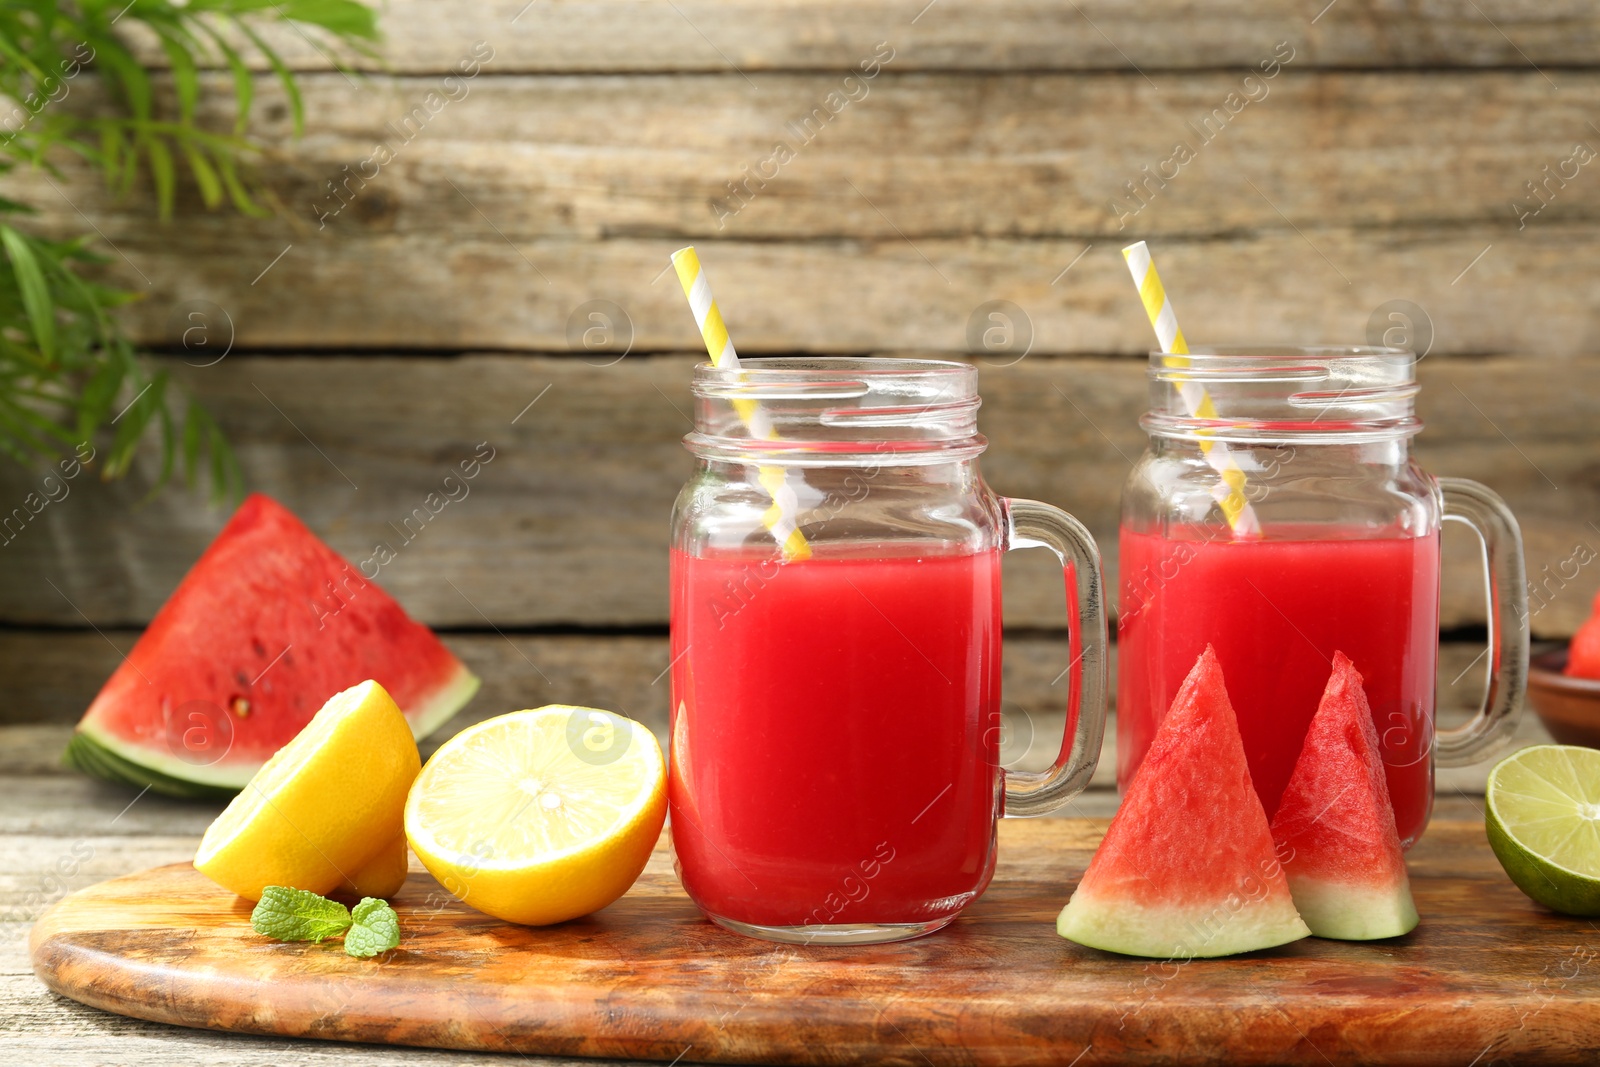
1278	515
834	758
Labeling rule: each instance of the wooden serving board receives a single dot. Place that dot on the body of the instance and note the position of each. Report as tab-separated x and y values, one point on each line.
1489	977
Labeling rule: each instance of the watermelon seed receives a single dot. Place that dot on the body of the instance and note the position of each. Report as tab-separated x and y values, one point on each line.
240	707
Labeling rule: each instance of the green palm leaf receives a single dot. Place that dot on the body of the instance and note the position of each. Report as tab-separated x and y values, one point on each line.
29	278
67	373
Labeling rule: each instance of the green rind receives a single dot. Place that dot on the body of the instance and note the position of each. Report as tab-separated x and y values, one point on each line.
450	698
93	757
1187	931
100	755
1343	911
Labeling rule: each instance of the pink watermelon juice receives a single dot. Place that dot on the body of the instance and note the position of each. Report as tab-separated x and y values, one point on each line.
1276	610
834	754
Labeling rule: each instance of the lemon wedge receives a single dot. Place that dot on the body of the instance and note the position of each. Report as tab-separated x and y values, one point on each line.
324	806
540	816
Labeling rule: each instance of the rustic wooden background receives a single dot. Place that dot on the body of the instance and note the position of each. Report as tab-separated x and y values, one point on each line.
368	352
369	346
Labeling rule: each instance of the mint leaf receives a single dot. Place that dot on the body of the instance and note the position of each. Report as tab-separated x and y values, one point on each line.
298	915
376	928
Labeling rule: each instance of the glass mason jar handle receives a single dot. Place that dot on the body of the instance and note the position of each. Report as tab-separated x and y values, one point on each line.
1479	508
1031	524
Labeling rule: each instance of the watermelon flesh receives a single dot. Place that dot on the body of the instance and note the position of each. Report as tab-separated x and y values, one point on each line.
267	625
1583	654
1335	828
1187	868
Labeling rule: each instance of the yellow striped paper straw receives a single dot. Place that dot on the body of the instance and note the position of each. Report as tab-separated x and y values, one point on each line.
779	518
1230	493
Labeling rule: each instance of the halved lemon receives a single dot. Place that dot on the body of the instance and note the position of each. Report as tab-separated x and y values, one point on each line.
540	816
324	806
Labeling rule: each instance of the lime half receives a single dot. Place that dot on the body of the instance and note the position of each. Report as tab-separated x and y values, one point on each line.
1544	825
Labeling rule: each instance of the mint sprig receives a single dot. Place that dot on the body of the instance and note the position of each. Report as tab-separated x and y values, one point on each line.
287	914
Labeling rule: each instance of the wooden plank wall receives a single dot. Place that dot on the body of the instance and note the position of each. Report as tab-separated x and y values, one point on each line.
376	333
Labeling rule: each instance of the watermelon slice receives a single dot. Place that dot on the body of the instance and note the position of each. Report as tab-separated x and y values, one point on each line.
1187	867
268	625
1335	828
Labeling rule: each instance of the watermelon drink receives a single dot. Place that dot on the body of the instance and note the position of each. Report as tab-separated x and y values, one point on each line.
833	772
1279	515
1276	610
842	772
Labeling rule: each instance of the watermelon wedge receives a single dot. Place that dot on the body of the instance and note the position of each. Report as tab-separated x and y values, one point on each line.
1187	868
1335	829
267	625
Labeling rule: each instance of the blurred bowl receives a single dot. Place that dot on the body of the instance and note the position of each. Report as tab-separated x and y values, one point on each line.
1569	707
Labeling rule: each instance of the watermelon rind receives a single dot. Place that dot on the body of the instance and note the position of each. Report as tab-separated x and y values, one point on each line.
426	716
98	753
98	757
1194	929
1347	912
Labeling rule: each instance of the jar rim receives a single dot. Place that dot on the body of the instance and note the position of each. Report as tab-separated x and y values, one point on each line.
820	410
868	364
1280	363
819	377
1266	352
1254	393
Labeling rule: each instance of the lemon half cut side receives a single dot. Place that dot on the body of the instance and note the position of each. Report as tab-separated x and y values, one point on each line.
540	816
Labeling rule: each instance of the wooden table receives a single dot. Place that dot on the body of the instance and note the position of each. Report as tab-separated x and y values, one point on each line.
60	832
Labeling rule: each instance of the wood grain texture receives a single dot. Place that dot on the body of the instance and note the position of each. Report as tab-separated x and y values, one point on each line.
729	36
648	976
927	198
41	1027
1005	155
44	1028
569	522
480	289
